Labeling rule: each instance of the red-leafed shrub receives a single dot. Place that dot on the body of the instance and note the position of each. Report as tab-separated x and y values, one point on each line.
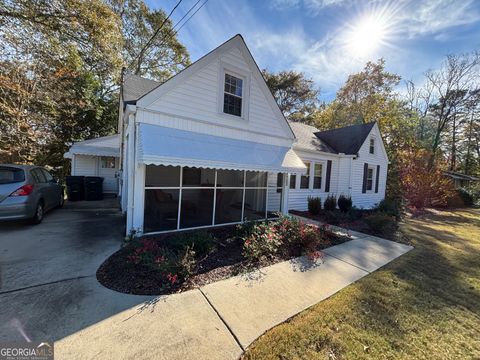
423	185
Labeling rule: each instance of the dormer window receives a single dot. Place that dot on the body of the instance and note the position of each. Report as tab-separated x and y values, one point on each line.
372	146
232	97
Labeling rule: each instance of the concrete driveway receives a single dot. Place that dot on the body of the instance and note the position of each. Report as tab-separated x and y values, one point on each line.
48	288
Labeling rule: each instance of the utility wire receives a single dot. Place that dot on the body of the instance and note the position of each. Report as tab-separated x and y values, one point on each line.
145	47
170	34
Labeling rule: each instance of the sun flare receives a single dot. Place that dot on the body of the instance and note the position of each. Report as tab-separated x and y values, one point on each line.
366	36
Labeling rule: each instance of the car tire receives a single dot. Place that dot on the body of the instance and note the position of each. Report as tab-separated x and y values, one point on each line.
62	200
39	212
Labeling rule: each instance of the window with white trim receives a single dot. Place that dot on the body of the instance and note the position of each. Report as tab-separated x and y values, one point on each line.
372	146
305	179
233	95
317	176
370	173
293	181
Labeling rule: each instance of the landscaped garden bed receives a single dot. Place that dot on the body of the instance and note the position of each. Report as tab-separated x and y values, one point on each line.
177	262
380	221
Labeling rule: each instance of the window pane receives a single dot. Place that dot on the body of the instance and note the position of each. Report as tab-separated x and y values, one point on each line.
317	182
305	179
162	176
256	179
198	177
229	206
161	209
197	208
232	105
233	85
254	204
318	170
229	178
293	181
274	202
107	162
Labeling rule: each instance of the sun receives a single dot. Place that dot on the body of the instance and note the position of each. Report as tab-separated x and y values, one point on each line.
364	37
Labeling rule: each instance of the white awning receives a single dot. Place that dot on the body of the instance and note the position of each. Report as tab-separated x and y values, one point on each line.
102	146
166	146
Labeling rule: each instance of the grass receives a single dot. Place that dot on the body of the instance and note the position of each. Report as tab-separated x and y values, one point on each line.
424	305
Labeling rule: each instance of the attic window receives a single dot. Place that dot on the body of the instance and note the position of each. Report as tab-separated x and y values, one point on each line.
372	146
232	97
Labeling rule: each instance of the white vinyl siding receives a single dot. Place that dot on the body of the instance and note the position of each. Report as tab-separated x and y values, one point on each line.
195	105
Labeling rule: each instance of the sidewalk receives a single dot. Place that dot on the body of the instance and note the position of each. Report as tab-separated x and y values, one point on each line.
219	320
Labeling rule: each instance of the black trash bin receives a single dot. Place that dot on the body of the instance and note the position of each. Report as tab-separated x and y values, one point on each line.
75	188
93	188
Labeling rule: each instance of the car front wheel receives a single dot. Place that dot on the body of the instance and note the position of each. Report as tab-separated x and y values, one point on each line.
39	212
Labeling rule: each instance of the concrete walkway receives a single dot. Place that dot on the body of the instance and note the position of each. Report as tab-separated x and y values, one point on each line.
219	320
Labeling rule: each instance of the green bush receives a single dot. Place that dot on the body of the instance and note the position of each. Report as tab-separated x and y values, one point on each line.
201	242
330	203
381	223
314	205
344	203
354	214
467	196
390	206
287	236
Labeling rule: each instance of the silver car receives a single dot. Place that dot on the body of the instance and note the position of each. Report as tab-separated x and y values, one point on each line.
27	192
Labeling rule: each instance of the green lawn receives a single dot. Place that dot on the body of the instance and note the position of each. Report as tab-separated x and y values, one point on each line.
426	304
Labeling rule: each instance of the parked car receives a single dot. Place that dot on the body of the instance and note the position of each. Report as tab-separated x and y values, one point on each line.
28	192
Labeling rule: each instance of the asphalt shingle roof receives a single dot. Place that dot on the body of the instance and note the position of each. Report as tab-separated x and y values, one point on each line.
306	138
134	87
347	140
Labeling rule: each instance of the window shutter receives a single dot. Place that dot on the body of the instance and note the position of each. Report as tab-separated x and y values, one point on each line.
377	178
365	171
329	172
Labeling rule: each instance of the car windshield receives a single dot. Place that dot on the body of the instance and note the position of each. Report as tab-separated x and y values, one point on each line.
10	175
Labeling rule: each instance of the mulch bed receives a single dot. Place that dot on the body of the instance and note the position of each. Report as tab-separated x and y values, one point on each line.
356	225
224	261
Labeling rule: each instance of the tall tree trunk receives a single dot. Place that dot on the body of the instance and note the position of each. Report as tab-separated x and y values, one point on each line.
453	158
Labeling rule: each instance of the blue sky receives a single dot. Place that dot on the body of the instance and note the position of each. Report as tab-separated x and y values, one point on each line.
330	39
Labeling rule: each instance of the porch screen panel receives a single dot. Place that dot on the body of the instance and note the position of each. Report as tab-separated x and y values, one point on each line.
228	207
162	176
196	208
255	204
161	209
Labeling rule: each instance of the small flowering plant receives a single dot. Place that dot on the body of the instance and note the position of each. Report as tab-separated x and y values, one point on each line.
286	237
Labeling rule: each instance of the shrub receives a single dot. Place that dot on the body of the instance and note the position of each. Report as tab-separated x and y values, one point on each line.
314	205
288	237
466	196
390	206
330	203
344	203
423	183
354	214
380	223
263	242
199	241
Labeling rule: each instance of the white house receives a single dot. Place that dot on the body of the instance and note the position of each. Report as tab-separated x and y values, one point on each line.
349	161
210	147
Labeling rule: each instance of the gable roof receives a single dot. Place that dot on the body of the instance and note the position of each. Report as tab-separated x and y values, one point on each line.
307	140
236	41
347	140
134	87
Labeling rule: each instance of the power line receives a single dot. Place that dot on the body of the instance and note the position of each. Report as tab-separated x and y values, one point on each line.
170	34
155	34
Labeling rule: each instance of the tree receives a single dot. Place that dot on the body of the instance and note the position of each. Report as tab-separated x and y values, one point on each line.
368	96
452	85
296	95
157	55
423	186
